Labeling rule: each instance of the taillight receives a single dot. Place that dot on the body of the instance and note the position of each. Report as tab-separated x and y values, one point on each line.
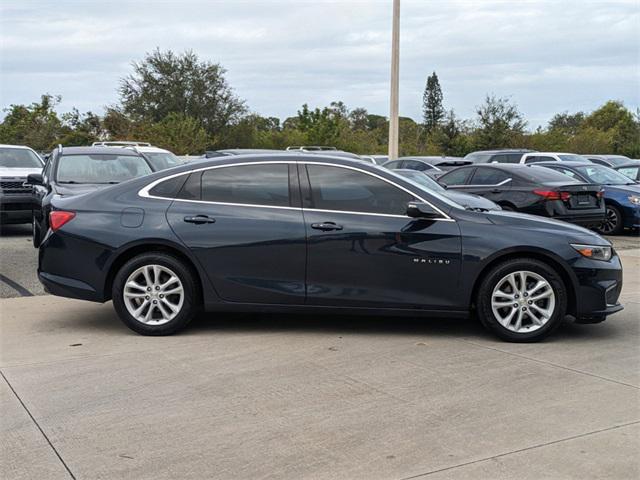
553	195
58	218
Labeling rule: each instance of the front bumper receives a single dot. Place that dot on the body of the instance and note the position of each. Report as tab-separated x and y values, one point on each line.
16	208
598	290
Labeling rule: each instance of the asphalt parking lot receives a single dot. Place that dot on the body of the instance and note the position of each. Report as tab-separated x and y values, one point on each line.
289	396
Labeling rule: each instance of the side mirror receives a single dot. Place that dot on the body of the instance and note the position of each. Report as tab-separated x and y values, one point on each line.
34	179
422	210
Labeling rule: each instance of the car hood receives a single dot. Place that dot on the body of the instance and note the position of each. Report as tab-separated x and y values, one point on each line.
573	233
470	200
69	190
633	189
18	172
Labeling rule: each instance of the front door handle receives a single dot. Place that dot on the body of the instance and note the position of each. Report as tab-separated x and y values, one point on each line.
326	226
496	190
199	219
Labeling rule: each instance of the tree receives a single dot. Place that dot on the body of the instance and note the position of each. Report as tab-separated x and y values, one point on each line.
165	83
432	109
179	133
500	124
452	138
566	122
36	125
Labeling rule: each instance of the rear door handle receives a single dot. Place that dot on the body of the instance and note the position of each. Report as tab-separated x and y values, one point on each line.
199	219
326	226
496	190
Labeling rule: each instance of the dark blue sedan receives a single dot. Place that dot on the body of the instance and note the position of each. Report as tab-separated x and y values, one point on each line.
621	194
309	233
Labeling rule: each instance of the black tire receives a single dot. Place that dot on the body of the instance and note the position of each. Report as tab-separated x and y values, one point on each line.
36	233
496	274
190	303
614	224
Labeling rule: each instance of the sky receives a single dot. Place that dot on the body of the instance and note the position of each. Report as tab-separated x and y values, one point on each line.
545	56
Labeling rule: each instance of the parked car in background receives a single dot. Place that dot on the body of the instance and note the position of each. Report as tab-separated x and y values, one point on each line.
379	159
497	156
537	157
609	160
238	151
159	158
16	198
73	171
631	170
433	166
321	234
536	191
621	194
120	143
310	148
467	200
333	153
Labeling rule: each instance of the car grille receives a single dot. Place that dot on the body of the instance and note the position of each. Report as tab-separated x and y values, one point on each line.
14	186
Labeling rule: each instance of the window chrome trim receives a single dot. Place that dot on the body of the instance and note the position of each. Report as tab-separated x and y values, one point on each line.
144	192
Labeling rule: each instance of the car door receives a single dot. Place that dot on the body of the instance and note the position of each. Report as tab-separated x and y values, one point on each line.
41	191
244	224
364	251
491	183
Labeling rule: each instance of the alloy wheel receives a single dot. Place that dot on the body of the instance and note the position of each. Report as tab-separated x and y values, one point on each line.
153	295
523	301
610	222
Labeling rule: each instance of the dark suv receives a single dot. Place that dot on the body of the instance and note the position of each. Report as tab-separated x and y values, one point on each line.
497	156
78	170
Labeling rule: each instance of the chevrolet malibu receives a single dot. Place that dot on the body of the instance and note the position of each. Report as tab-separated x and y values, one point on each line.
309	233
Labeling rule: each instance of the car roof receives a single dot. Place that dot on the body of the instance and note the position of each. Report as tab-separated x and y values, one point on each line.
504	150
566	164
21	147
627	165
99	150
147	149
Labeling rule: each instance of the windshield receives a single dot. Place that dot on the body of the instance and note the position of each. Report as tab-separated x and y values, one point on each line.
631	172
162	160
19	158
100	168
420	187
422	179
572	158
603	175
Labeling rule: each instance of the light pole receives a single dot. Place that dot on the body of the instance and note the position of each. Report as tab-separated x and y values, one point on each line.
395	67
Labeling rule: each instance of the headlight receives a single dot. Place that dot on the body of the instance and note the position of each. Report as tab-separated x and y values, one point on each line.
635	199
595	252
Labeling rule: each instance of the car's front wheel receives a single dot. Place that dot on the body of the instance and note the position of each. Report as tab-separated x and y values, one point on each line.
155	294
522	300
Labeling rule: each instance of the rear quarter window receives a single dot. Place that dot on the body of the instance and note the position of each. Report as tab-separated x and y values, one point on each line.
456	177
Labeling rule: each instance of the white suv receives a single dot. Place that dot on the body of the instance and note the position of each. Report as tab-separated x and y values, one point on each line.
16	198
535	157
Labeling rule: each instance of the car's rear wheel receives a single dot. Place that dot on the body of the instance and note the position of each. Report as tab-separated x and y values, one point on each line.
522	300
612	224
155	294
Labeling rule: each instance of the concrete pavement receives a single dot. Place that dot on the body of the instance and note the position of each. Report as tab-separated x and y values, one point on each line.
280	396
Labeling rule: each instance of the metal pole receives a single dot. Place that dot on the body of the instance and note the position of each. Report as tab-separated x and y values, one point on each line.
395	67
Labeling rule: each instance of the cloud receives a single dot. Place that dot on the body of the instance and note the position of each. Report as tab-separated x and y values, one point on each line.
547	56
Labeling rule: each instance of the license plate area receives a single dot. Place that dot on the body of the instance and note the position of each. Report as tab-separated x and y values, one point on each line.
583	200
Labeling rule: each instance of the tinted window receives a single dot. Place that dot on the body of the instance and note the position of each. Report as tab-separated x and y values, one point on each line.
488	176
168	188
566	172
335	188
247	184
456	177
415	165
100	168
19	158
539	158
507	158
162	160
394	164
541	174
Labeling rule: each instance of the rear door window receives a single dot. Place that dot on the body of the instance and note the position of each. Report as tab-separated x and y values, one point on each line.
489	176
539	158
456	177
247	184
